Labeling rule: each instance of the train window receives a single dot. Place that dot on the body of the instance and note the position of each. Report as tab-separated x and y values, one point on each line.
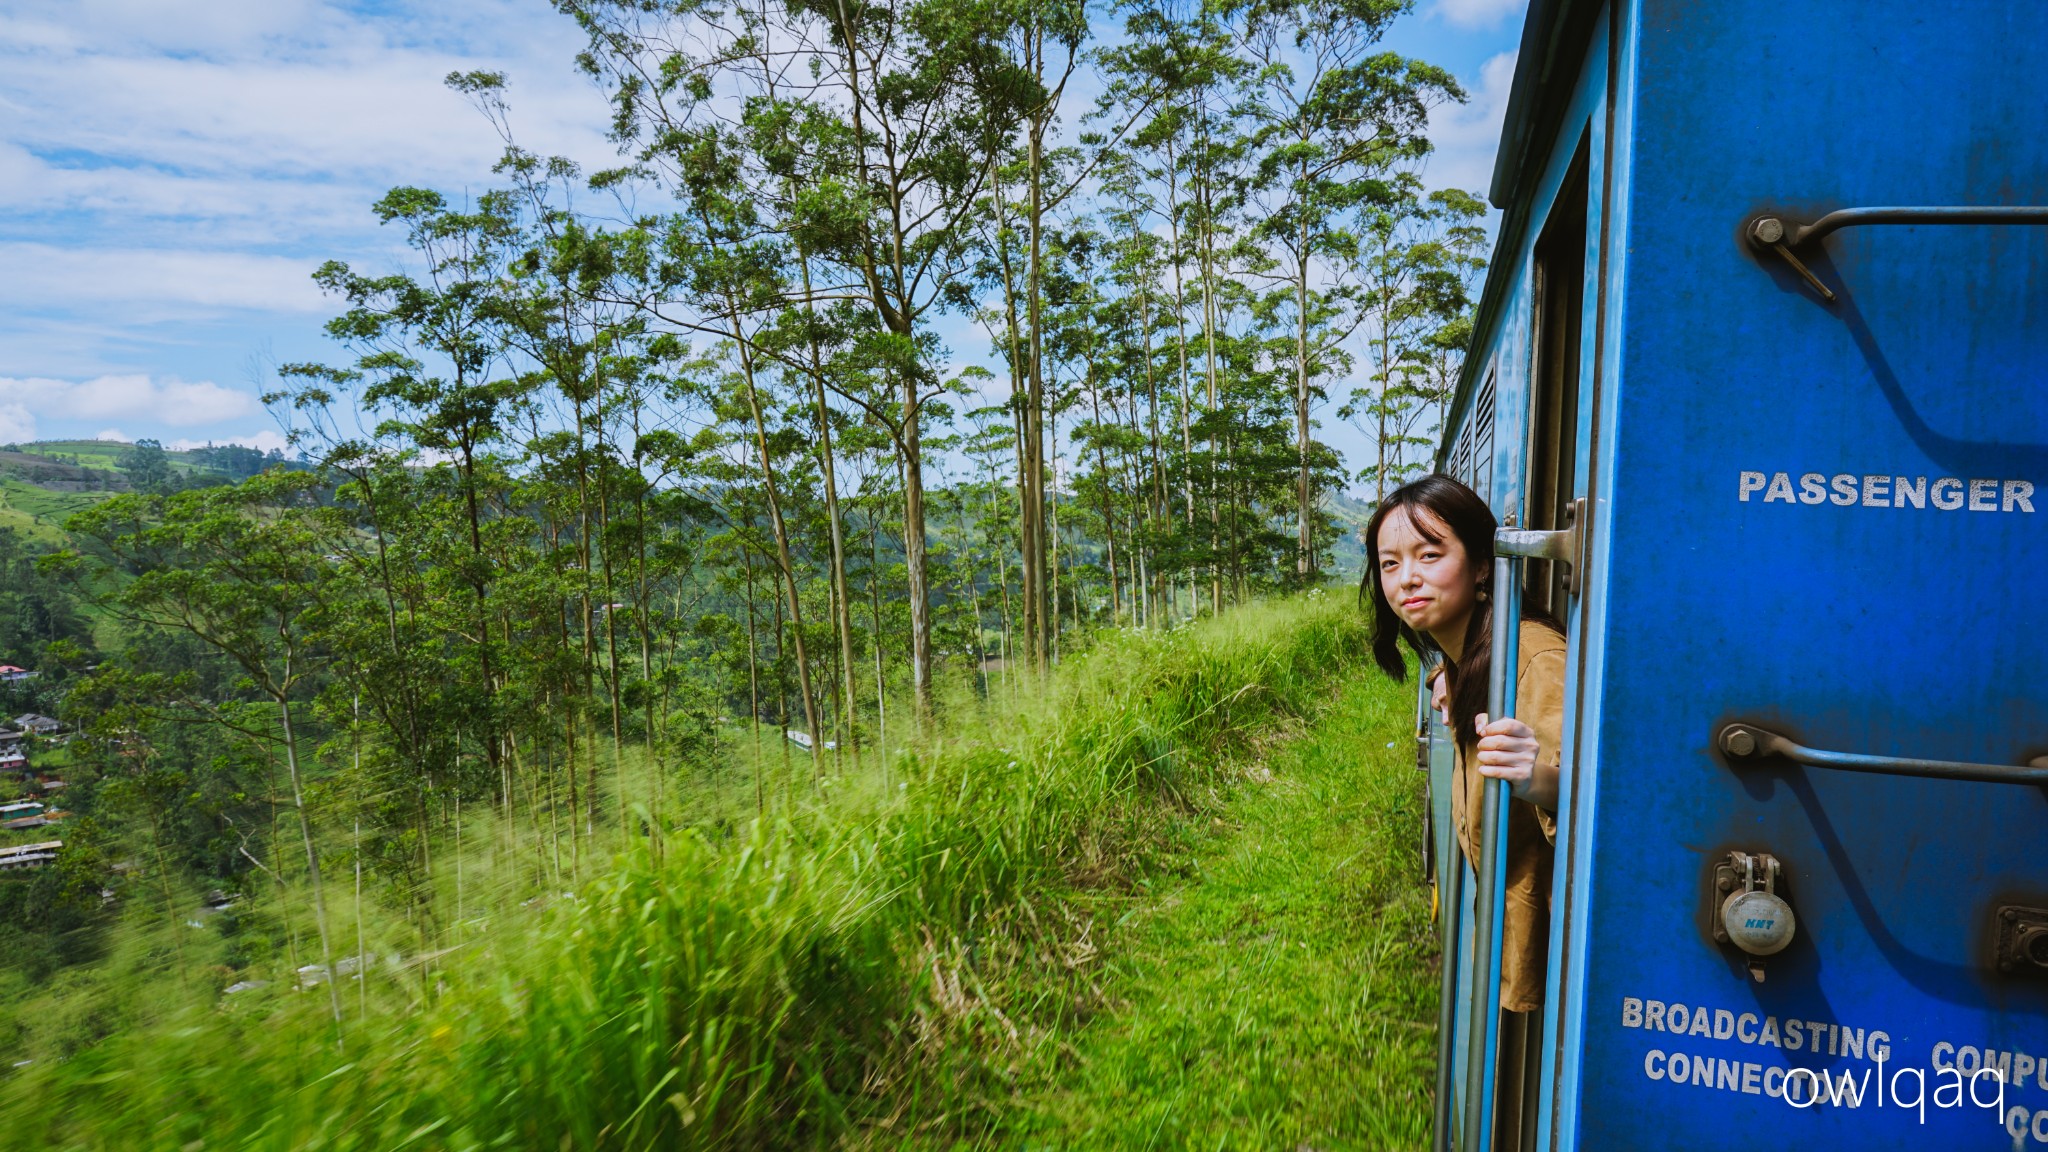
1554	407
1459	463
1471	458
1482	442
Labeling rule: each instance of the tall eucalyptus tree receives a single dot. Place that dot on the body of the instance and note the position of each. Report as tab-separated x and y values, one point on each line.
1332	117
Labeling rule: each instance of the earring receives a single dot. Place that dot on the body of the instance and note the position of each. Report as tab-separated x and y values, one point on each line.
1482	594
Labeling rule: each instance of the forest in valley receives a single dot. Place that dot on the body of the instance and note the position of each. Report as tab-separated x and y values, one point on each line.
890	497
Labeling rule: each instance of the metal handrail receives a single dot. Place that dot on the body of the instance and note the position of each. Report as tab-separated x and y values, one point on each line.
1768	233
1537	544
1510	545
1747	742
1481	1054
1452	906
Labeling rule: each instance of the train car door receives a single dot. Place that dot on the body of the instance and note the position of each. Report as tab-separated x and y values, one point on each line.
1550	489
1554	440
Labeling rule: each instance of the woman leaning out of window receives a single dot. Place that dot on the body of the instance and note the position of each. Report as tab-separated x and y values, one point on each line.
1429	564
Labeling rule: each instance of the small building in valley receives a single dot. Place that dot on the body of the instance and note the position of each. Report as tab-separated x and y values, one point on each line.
29	855
37	725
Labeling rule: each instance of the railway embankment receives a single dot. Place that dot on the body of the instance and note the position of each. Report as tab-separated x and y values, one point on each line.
1180	872
1280	992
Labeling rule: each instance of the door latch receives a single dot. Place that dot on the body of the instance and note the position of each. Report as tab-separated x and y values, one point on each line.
1748	912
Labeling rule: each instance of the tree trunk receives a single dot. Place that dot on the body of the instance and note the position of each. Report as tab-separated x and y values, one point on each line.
1304	556
788	566
754	682
1209	324
282	694
1187	440
914	555
1038	543
842	608
1030	465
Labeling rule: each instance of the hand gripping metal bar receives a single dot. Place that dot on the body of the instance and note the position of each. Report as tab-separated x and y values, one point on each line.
1746	743
1510	545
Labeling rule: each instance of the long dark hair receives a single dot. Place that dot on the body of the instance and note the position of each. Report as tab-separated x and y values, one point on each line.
1433	503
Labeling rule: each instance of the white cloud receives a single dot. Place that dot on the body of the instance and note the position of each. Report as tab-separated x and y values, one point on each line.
1467	135
151	284
262	441
131	24
171	166
17	425
169	401
220	209
248	107
1479	13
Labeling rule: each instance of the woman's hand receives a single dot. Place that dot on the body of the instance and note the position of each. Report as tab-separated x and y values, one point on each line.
1507	751
1439	695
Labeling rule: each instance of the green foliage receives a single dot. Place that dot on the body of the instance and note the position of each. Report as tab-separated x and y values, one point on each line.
811	976
146	465
36	610
1420	255
37	514
234	461
660	554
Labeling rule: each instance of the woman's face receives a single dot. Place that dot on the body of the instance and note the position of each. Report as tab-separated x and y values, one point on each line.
1430	583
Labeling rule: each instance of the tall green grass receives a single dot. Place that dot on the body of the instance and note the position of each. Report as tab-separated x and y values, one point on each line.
1284	995
852	968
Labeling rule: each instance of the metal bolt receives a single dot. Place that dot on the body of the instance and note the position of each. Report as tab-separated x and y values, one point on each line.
1767	230
1738	742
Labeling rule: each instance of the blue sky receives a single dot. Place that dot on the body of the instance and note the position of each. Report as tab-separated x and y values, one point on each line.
173	174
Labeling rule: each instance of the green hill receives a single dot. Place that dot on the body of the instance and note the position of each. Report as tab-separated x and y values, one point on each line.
44	482
38	513
100	461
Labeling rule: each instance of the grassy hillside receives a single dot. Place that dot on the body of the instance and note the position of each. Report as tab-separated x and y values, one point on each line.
100	455
38	513
872	961
1347	558
98	462
43	484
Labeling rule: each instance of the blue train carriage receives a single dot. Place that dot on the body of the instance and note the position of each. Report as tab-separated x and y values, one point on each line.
1758	372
